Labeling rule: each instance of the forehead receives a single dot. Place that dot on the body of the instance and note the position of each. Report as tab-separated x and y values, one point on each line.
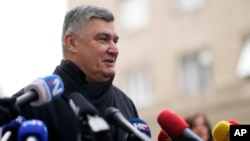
97	25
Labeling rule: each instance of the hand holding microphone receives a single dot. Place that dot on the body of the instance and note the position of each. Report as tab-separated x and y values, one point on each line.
39	92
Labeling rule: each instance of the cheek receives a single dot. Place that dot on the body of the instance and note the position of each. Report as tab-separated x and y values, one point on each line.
206	129
195	130
90	54
94	56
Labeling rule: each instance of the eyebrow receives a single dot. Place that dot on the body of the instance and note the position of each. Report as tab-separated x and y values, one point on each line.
106	35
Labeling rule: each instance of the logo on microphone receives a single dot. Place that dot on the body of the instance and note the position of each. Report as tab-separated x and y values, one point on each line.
141	126
54	84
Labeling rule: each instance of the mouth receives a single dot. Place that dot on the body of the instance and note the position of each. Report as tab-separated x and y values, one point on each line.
110	62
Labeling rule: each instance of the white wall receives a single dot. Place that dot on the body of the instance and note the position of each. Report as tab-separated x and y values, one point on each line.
30	44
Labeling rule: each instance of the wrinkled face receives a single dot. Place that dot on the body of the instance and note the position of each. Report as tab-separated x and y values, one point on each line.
200	128
96	52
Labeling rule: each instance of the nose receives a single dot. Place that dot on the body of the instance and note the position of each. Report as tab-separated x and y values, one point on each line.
113	50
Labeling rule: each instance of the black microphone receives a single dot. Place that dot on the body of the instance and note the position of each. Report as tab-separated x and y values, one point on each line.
114	116
90	118
41	91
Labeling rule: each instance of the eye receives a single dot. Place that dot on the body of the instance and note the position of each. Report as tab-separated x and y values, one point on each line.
104	38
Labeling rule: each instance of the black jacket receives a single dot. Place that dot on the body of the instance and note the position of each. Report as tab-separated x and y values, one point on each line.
61	122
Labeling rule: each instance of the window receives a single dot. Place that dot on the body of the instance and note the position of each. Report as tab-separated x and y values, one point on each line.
139	86
195	72
243	68
134	14
188	5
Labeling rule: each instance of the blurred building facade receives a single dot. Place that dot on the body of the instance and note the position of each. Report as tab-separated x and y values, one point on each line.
185	56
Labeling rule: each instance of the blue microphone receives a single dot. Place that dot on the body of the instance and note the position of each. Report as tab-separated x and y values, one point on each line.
9	130
33	130
41	91
141	126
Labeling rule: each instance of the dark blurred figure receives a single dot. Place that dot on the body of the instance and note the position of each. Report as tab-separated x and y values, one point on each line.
199	124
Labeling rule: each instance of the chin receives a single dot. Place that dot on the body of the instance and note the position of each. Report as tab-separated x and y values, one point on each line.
109	74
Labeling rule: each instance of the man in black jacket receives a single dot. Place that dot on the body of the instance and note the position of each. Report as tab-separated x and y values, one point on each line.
89	44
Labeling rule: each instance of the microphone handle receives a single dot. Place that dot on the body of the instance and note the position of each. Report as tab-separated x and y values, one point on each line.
189	135
26	98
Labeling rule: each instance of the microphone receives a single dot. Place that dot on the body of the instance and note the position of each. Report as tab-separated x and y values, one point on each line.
176	127
89	116
233	122
221	131
33	130
163	137
41	91
141	126
114	116
9	130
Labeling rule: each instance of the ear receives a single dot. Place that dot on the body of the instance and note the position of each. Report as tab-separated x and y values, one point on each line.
69	40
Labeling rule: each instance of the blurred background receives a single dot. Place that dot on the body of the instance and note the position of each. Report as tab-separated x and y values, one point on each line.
187	56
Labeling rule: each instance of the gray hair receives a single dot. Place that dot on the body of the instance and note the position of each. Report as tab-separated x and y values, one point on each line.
77	18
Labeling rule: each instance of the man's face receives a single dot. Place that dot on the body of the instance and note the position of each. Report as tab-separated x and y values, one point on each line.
97	51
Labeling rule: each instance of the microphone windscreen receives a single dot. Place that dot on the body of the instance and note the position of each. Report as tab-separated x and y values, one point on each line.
163	136
233	122
85	107
33	128
13	125
46	88
141	126
171	123
221	131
